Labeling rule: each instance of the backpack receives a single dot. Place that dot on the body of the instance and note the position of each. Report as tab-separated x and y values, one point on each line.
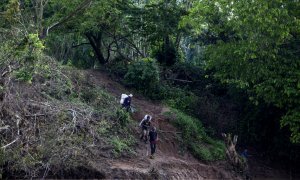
145	117
123	96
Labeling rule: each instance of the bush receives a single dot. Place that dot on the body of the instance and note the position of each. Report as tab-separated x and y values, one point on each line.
118	66
195	138
143	75
23	75
181	99
119	145
123	117
166	54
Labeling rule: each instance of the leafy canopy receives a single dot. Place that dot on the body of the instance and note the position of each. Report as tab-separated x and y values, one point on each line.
255	47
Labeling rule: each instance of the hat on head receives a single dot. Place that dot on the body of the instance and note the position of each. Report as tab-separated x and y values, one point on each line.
130	95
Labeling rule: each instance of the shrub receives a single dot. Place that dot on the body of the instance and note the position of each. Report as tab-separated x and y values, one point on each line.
121	145
143	75
166	54
118	66
24	75
123	117
181	99
28	57
195	138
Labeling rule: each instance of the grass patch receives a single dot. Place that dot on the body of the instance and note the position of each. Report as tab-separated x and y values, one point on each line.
195	138
122	145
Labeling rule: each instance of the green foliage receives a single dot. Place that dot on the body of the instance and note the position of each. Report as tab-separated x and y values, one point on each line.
35	42
122	117
24	75
254	47
97	24
62	88
121	145
208	153
166	54
85	118
12	11
250	44
30	58
60	47
292	119
196	139
104	127
118	66
143	75
181	99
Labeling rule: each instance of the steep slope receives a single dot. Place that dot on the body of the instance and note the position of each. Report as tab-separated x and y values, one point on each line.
170	162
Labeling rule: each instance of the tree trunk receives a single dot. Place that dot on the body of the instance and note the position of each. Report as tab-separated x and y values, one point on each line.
234	158
95	42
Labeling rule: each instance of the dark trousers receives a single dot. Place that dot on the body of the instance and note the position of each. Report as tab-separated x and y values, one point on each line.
127	107
153	147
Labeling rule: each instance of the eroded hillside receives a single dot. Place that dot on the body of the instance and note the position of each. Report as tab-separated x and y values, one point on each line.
67	123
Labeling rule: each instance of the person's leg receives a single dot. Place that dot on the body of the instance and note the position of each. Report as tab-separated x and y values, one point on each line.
152	150
152	146
145	134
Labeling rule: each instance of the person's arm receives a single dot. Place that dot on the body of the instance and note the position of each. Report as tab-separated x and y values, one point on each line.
141	122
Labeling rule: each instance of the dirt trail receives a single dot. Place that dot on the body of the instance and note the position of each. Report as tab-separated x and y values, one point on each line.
168	163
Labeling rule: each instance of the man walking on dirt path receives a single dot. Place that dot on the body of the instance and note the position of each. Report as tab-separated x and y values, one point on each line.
145	125
153	139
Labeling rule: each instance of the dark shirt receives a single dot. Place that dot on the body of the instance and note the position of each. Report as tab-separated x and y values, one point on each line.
146	123
153	136
127	101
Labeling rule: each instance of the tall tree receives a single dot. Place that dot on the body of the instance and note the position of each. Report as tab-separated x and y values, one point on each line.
257	48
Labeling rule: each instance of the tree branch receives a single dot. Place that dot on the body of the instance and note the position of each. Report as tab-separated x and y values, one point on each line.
128	41
81	44
79	8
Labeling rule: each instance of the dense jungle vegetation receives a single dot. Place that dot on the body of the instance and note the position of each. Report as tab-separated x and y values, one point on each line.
233	65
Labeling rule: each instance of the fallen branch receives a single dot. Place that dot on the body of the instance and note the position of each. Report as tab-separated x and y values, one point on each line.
6	72
4	128
3	147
